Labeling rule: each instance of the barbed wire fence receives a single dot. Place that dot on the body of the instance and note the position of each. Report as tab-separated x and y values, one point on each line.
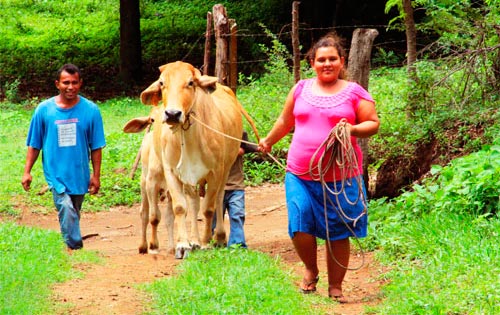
285	38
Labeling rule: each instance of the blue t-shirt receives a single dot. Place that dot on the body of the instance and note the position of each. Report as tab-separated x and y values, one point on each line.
66	138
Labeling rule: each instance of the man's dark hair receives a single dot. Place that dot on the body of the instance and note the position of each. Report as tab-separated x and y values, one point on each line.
69	68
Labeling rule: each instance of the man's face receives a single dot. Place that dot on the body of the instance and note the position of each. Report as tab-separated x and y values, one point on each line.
69	85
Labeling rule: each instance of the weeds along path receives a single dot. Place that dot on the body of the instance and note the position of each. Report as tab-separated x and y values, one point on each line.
111	288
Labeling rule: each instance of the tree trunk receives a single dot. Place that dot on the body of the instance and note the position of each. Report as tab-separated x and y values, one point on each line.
359	71
411	52
496	63
130	41
411	38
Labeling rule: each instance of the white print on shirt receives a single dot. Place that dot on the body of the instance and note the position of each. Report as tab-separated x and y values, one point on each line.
66	134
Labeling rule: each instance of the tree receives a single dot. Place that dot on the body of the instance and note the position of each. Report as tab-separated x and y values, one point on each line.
130	41
406	11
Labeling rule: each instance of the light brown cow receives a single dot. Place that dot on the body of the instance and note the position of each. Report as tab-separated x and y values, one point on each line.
196	139
153	188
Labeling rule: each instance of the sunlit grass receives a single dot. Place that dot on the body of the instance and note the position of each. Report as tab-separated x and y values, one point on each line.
452	266
31	260
232	281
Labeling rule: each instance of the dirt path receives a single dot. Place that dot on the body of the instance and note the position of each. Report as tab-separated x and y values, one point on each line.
110	288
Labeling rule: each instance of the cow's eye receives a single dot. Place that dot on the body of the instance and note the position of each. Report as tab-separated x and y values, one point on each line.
161	83
190	83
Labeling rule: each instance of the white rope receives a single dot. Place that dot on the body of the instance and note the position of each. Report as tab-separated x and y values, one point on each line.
237	139
337	150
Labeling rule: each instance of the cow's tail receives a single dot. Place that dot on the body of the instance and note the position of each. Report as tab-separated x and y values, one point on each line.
250	121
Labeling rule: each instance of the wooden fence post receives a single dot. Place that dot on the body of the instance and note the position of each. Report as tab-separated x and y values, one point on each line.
233	56
359	71
221	27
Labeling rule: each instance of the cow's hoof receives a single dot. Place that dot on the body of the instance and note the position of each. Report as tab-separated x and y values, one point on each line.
182	252
195	246
220	244
143	250
179	253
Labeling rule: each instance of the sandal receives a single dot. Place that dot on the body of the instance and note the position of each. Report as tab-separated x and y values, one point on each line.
309	287
338	298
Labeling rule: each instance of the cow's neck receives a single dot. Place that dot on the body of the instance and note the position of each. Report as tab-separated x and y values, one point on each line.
191	167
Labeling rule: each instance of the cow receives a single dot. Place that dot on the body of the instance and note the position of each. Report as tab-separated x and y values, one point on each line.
153	188
198	139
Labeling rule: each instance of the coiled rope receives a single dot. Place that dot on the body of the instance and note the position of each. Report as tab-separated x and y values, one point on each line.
337	152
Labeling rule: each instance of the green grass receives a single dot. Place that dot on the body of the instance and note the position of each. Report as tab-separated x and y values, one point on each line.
31	260
232	281
451	265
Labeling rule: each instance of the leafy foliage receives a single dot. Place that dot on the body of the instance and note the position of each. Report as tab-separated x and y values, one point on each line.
440	239
467	186
44	35
47	34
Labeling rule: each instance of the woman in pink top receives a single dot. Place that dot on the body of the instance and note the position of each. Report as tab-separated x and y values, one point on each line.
314	107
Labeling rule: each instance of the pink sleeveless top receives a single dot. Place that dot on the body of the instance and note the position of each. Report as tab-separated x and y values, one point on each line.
315	117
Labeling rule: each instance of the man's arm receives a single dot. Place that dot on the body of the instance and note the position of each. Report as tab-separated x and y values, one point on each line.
247	147
95	178
31	157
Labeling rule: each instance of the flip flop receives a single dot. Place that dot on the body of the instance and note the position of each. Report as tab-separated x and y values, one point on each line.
305	289
338	298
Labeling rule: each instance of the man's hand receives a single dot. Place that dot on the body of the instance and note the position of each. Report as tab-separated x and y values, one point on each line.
94	185
26	181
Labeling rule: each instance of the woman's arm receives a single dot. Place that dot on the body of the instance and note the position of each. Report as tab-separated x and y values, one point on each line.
282	126
367	120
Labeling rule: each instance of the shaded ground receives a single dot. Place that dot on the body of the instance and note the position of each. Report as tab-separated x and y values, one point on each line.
110	288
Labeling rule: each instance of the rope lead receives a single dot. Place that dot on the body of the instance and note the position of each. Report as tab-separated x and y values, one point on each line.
337	150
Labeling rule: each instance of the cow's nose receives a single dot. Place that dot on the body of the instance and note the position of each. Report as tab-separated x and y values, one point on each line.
173	116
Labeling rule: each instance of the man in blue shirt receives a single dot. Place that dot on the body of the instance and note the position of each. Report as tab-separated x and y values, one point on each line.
68	129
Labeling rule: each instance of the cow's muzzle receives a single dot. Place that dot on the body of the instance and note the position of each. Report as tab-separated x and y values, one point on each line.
172	117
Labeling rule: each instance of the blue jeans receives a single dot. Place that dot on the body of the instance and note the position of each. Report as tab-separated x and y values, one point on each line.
68	211
234	203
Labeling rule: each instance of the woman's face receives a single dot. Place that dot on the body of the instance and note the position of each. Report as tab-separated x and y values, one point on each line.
327	64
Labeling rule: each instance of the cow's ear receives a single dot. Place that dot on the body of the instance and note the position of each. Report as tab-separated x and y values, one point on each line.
208	82
151	95
137	124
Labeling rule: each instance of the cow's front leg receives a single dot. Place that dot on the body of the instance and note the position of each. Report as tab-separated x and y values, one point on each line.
143	246
193	200
209	210
169	223
220	231
179	207
153	192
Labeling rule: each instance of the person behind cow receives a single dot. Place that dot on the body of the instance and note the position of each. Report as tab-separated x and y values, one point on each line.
314	107
234	197
68	129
